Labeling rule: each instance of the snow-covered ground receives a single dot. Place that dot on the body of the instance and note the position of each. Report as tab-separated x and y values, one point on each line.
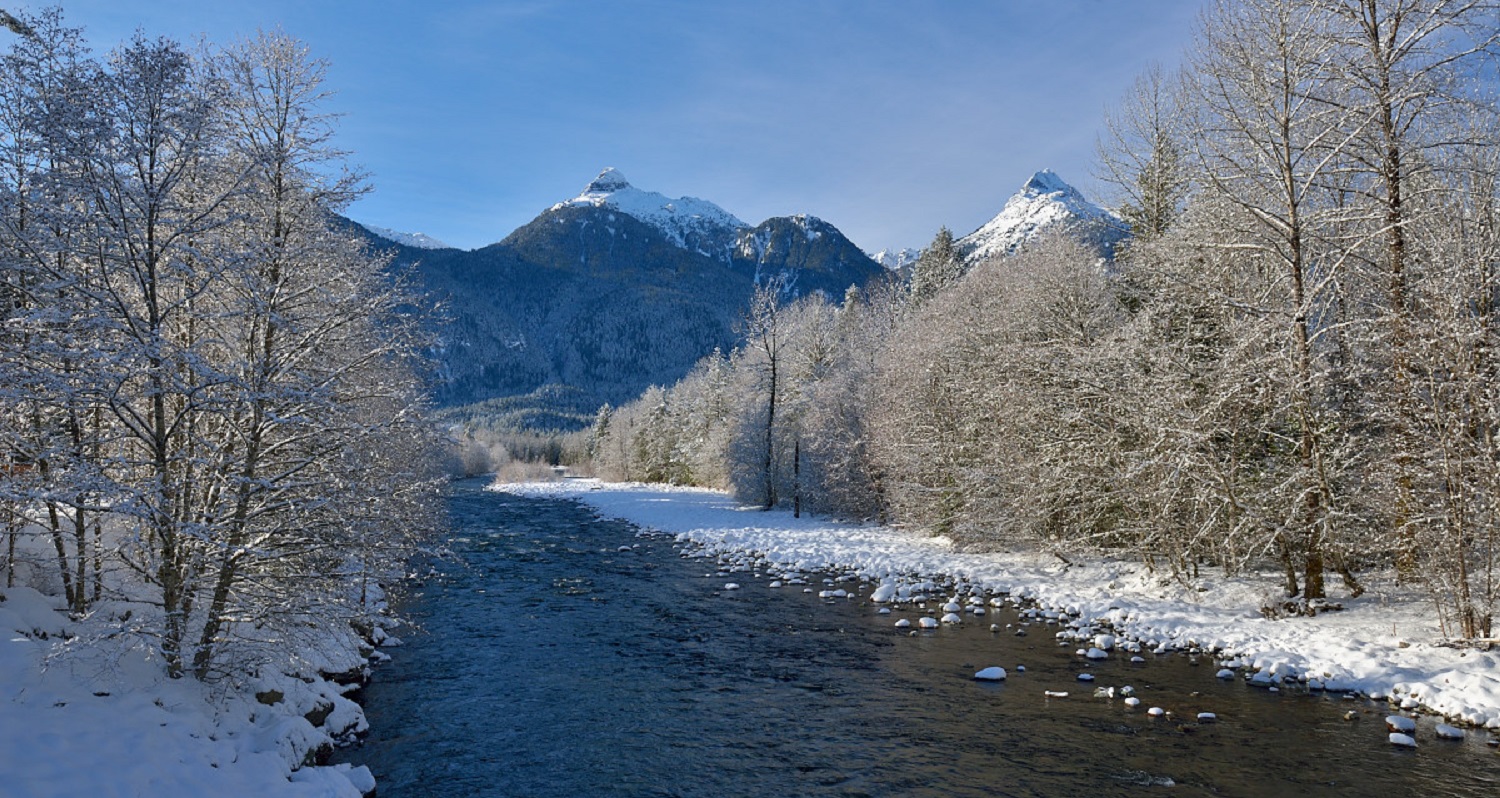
1385	644
105	722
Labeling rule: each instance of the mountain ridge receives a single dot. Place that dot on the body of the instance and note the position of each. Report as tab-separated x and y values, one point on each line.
599	297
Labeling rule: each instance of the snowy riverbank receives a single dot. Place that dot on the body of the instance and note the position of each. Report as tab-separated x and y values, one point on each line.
103	723
1383	644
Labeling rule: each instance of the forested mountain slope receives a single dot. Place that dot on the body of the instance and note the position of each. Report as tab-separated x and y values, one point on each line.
601	296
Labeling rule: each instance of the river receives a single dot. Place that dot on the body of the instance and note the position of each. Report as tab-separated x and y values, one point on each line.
572	656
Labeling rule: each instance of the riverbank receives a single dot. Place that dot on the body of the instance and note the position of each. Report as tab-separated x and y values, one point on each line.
1385	644
104	720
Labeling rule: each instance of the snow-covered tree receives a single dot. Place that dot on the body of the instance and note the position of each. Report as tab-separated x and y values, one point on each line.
219	416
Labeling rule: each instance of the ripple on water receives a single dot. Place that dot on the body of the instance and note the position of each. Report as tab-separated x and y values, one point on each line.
671	686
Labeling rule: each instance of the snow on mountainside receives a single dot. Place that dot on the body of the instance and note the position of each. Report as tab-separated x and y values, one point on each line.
414	240
1045	203
896	259
689	222
754	244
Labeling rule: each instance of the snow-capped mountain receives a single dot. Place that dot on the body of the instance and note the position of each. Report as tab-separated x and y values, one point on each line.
414	240
689	222
896	259
609	292
1045	203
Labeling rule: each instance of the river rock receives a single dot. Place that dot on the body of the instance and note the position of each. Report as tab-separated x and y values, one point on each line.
1402	740
1400	723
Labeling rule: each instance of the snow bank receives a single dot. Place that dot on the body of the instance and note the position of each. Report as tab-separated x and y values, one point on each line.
1385	644
102	722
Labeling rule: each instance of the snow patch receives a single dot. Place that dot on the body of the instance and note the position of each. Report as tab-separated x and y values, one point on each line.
687	222
414	240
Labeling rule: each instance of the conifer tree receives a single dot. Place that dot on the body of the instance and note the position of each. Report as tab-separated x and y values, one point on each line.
938	267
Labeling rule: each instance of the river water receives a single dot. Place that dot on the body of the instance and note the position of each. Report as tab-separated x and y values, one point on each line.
552	663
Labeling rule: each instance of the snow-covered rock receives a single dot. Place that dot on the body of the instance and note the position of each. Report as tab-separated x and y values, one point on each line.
1402	740
1447	732
992	674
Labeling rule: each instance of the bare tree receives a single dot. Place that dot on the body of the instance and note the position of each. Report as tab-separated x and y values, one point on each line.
1268	145
764	329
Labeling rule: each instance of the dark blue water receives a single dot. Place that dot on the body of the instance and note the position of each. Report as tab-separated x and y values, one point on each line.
553	664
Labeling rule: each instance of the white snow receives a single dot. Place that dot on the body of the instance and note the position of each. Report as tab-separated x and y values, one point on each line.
1447	732
1043	203
415	240
683	220
992	674
1402	740
109	722
896	259
1384	644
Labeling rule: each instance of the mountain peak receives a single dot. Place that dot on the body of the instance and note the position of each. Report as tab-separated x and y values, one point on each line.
609	181
1045	202
688	222
1044	182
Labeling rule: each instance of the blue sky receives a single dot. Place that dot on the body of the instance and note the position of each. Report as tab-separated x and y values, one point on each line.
888	118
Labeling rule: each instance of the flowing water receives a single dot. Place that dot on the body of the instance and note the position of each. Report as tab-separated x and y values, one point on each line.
552	663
